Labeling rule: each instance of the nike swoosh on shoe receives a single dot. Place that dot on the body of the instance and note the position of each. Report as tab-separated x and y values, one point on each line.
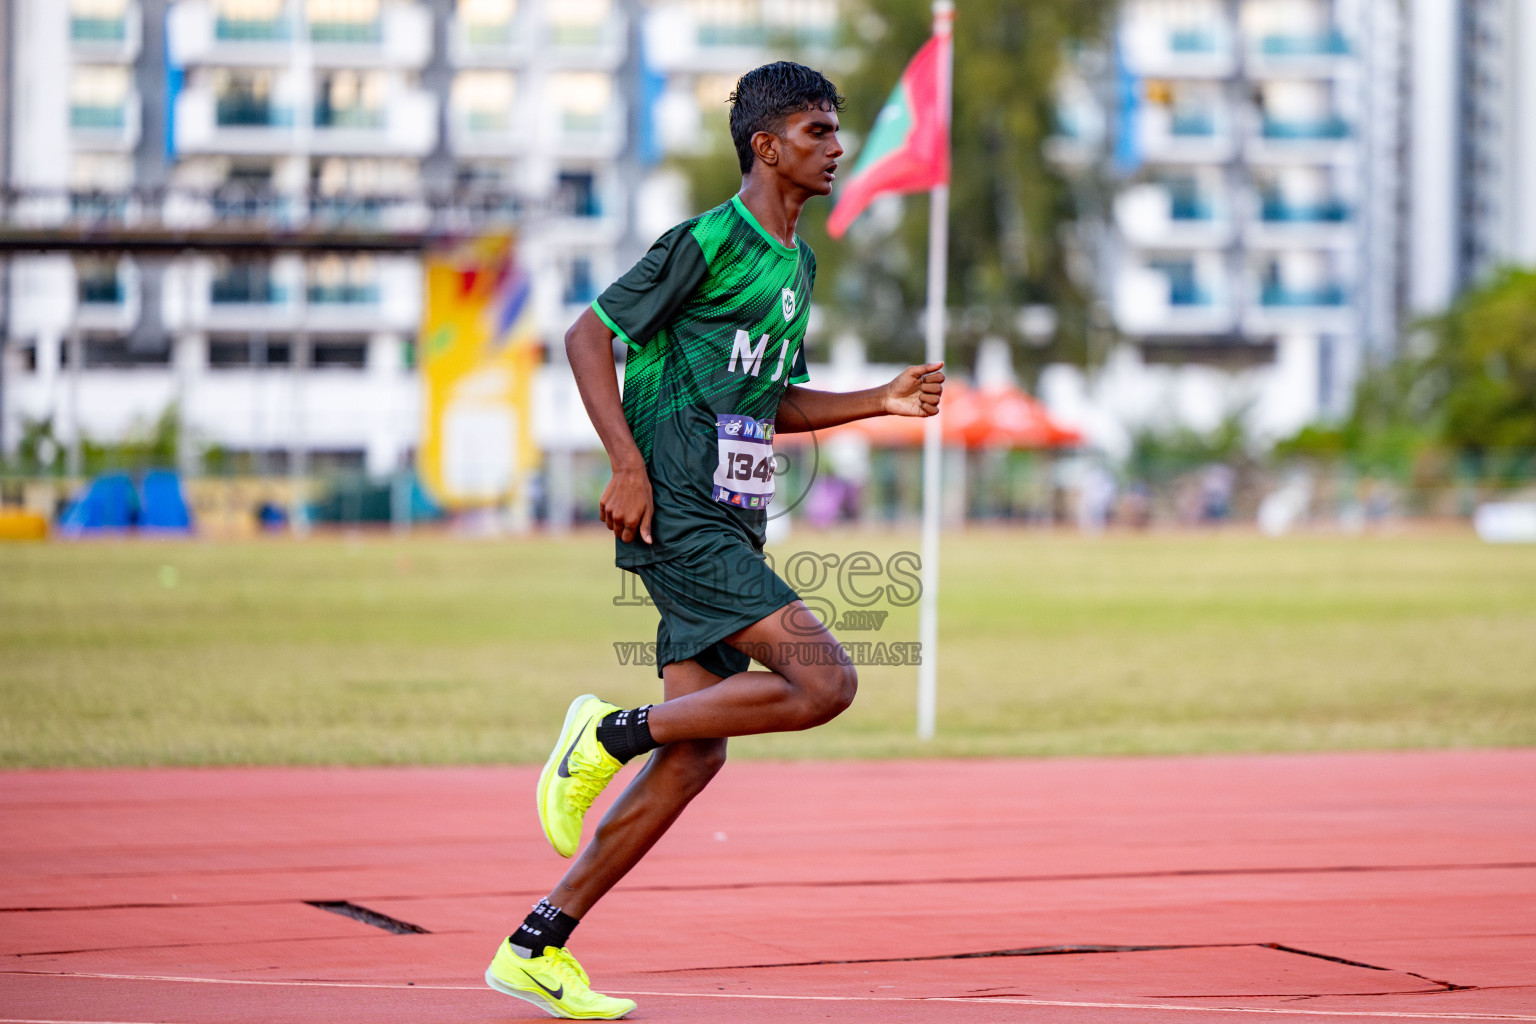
554	993
564	768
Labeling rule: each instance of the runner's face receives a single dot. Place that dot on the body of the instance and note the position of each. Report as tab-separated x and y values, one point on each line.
808	150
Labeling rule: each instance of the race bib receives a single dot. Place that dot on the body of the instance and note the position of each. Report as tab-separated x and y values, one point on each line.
744	476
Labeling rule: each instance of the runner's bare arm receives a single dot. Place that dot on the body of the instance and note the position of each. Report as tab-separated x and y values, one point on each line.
915	391
626	504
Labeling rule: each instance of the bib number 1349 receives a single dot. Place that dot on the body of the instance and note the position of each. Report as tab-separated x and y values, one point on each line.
744	474
739	467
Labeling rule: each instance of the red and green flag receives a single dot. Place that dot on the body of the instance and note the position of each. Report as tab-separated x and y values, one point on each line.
908	147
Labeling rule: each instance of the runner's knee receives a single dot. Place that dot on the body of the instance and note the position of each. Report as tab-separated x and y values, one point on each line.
830	693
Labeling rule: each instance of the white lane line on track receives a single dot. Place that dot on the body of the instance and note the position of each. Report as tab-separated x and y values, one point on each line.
907	1000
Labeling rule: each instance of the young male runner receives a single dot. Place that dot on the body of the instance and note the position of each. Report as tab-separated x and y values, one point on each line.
714	316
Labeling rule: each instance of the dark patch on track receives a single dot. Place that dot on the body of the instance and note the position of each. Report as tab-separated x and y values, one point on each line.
1086	948
393	925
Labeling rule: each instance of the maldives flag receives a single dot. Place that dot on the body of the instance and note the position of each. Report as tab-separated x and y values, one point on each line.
908	148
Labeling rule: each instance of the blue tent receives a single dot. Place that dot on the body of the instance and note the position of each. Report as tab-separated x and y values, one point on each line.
110	503
163	507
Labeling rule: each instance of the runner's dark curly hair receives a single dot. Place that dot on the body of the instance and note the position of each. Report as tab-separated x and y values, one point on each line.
766	96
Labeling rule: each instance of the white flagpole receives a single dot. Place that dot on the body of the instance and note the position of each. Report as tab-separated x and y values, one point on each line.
933	448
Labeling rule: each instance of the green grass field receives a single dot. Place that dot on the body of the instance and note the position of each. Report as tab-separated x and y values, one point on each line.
432	650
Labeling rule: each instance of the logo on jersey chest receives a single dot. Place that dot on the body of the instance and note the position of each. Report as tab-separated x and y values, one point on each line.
787	300
750	358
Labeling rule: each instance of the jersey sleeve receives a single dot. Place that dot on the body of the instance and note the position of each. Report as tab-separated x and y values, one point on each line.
799	373
639	304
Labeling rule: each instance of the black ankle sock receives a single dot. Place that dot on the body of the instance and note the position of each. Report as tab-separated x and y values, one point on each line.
627	734
546	926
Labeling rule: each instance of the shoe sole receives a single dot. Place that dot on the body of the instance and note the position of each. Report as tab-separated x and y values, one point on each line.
539	1001
554	760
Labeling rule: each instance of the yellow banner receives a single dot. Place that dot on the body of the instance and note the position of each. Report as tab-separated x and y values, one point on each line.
478	355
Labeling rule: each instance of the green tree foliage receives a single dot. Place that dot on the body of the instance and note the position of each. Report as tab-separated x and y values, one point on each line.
150	445
1391	421
1008	206
1485	359
1473	390
1160	454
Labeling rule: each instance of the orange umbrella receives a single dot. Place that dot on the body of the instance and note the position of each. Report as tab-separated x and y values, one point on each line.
996	417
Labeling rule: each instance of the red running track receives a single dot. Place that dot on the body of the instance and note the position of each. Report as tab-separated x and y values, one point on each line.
1352	887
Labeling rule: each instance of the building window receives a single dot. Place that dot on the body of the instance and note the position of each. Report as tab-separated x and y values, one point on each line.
344	21
579	287
246	281
243	99
487	22
350	99
340	355
1183	286
98	98
243	352
117	354
482	100
98	281
250	21
584	98
578	22
576	194
335	280
98	21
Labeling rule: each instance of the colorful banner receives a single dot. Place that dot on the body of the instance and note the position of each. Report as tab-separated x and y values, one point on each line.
478	354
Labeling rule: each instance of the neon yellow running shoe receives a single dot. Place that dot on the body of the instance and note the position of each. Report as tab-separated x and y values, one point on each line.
554	982
578	770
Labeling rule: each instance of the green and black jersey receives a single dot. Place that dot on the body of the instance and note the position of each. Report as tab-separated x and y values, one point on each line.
714	316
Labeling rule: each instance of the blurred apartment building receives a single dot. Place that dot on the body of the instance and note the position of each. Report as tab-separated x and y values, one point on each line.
1288	181
548	116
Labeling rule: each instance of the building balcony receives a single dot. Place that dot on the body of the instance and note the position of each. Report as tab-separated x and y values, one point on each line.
676	39
597	135
405	126
1325	296
106	128
1281	223
207	123
488	132
598	46
369	212
1277	307
247	290
489	44
1320	139
107	40
1153	49
1305	129
1298	53
1172	136
106	304
1157	215
1154	302
236	304
198	34
241	30
345	308
401	37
